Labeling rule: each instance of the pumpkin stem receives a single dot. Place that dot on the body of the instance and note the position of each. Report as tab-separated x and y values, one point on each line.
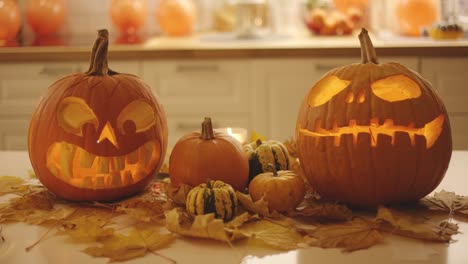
368	53
207	129
208	184
258	142
272	168
98	63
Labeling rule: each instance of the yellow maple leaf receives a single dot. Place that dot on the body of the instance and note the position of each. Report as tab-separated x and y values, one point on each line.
414	226
446	201
9	184
353	235
86	228
178	194
277	234
201	226
138	243
324	211
143	208
259	207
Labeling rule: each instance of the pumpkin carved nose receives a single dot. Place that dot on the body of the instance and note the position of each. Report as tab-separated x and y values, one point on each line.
360	97
108	133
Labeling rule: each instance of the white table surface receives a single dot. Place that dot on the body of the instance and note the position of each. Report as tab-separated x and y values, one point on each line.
55	249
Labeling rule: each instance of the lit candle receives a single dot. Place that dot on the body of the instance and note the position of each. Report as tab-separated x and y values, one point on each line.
236	132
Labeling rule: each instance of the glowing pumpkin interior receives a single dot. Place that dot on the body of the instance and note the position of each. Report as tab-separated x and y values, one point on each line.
80	168
391	89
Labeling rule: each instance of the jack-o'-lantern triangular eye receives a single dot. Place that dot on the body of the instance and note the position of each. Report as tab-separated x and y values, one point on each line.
73	113
396	88
140	112
325	89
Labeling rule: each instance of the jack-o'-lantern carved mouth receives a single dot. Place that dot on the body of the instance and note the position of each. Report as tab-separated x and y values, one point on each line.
82	169
431	131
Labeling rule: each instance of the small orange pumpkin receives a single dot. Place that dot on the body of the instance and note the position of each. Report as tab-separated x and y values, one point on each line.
370	134
208	155
99	135
283	190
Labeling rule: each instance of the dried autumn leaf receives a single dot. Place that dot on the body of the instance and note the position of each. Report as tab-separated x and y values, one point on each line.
201	226
324	211
137	244
178	195
353	235
36	208
276	234
143	208
43	200
446	201
259	207
87	228
8	184
413	226
2	239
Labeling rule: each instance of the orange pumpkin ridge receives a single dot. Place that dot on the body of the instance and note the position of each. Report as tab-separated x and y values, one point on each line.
99	135
371	134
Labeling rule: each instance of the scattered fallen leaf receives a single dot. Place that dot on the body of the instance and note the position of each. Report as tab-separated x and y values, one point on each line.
413	226
353	235
86	228
9	184
324	211
446	201
138	243
2	239
259	207
178	195
143	208
277	234
202	226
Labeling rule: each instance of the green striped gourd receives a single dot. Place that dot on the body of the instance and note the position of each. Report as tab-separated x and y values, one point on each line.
212	197
262	153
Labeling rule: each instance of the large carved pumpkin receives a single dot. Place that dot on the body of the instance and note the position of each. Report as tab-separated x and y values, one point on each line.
370	133
98	135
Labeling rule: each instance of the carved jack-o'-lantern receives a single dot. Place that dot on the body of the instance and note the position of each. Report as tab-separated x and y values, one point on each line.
98	135
370	134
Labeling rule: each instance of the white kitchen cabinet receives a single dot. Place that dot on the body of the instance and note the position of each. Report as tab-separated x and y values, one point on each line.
193	89
449	77
281	84
23	84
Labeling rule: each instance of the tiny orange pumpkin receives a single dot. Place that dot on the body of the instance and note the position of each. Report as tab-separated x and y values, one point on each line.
283	190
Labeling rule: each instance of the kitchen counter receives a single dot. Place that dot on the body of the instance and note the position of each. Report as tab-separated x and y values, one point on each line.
55	249
227	46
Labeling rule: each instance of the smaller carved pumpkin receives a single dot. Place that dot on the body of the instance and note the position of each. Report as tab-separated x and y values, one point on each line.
283	190
209	154
261	153
212	197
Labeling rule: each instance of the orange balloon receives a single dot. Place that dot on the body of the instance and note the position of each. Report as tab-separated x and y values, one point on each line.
128	15
45	17
176	17
414	15
344	5
10	19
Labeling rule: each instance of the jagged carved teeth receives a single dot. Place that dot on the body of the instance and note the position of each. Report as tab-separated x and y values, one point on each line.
431	131
82	169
